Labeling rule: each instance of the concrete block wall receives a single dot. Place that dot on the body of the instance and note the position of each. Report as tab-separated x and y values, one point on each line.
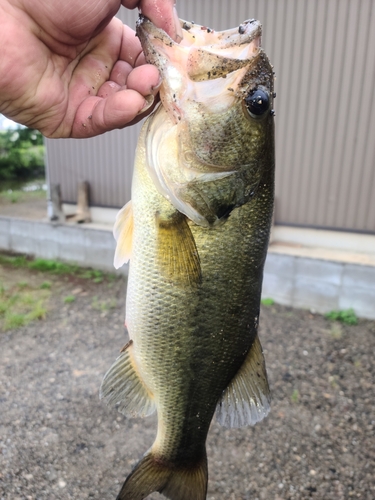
298	281
82	245
320	285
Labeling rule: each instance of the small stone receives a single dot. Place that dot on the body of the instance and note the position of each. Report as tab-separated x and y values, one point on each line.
61	483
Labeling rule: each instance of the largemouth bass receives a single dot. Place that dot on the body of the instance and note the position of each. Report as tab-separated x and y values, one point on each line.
196	232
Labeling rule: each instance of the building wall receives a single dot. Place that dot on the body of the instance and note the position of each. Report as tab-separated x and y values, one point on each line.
324	57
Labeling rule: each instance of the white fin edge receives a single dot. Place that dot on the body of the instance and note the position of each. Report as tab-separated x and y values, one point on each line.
247	399
122	387
123	233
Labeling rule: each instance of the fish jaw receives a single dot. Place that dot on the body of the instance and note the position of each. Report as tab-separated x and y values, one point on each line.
202	66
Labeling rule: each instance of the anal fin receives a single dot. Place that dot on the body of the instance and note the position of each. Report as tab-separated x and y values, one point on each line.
123	388
247	398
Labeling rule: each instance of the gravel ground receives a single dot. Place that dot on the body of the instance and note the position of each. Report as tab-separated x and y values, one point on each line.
58	441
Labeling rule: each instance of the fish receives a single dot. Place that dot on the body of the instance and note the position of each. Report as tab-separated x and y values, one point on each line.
196	232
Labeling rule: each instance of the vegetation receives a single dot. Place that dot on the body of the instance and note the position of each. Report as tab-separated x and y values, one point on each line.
11	192
103	305
69	299
267	302
21	154
27	300
55	267
21	304
295	396
347	316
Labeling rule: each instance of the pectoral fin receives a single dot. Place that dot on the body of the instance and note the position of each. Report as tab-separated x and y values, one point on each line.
123	387
123	233
176	250
246	400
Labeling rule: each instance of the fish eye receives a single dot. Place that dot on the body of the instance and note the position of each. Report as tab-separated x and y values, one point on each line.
257	102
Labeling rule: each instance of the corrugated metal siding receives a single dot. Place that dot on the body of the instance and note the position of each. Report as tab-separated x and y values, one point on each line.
105	161
324	56
325	115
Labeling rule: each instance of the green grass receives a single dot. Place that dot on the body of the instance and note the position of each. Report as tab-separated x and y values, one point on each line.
13	260
295	396
21	305
336	331
103	305
23	302
69	299
94	274
14	321
55	267
347	316
19	194
12	196
267	302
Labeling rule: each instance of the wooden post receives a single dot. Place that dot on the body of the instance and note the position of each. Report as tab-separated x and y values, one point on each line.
55	211
83	211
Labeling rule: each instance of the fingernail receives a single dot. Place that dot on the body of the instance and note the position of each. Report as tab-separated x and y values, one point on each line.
179	33
156	87
149	102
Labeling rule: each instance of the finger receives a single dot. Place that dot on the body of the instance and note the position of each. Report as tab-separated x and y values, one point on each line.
107	89
96	115
144	79
160	12
131	48
120	72
130	4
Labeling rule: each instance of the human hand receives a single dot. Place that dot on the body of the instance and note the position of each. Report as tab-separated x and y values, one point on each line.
70	69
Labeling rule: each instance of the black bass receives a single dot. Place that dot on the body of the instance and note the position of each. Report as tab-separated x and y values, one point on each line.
196	232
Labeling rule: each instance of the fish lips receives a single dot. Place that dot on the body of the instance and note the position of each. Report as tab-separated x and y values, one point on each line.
147	32
204	53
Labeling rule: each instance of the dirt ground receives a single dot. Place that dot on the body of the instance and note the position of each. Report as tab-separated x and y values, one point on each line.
58	441
26	205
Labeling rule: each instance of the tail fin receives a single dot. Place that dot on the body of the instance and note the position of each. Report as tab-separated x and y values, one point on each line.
176	483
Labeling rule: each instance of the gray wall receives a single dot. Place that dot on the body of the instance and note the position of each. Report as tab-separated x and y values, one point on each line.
324	56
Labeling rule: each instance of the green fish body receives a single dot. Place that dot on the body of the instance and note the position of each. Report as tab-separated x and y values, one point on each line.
196	232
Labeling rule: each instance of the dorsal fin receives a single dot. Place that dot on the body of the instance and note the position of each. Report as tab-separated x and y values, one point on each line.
247	398
123	233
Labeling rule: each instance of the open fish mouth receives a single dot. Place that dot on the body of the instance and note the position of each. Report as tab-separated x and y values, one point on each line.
203	56
233	43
